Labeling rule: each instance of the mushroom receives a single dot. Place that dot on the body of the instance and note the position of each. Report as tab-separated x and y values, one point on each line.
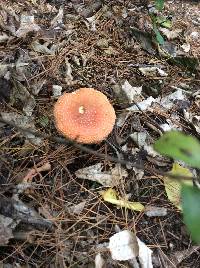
84	115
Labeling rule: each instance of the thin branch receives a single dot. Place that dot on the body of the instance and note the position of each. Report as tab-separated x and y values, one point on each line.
88	150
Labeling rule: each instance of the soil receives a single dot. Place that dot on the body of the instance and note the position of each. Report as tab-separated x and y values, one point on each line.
41	174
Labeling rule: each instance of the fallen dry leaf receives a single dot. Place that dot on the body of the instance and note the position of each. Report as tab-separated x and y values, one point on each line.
58	20
99	261
76	209
173	187
130	91
111	196
106	178
153	211
25	122
7	225
27	24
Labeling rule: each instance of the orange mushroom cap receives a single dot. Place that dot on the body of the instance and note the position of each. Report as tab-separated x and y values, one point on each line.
84	115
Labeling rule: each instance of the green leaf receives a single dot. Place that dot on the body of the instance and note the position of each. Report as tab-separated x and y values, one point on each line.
161	21
159	37
166	24
191	210
179	146
159	4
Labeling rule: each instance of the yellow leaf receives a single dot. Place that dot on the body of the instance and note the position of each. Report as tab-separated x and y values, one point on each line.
173	186
111	196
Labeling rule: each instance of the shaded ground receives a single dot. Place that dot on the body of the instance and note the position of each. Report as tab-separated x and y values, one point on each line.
72	52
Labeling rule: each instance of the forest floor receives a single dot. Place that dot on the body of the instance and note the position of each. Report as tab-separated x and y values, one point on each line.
52	213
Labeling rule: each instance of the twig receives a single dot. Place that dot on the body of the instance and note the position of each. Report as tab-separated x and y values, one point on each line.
34	171
83	148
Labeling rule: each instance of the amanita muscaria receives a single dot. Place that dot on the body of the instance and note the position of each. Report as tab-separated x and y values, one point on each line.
84	115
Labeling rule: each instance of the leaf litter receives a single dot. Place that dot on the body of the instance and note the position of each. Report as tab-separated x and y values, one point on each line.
109	178
52	47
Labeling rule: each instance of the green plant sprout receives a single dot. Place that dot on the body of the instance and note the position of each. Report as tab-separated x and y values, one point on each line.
159	21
